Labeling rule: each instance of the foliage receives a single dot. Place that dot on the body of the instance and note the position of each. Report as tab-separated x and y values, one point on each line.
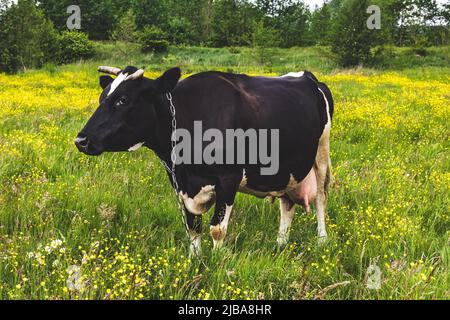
27	38
125	29
97	16
321	22
352	40
74	45
232	22
289	18
69	230
263	38
153	39
150	13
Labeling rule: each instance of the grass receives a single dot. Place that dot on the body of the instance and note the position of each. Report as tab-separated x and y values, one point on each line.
74	227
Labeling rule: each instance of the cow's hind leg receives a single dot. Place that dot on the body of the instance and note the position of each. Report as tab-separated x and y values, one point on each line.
323	173
287	210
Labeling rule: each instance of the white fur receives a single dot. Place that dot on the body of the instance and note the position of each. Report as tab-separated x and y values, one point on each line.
136	146
285	222
292	184
328	108
196	205
294	75
117	81
223	226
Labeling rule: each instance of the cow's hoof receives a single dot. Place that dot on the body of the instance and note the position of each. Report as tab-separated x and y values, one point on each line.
195	253
322	240
282	242
217	245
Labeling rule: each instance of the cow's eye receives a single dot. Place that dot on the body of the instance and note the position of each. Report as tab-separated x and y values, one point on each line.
122	101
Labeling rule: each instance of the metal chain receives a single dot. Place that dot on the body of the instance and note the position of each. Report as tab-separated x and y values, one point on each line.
171	170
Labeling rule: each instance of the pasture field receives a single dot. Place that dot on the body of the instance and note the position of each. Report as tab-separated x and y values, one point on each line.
74	227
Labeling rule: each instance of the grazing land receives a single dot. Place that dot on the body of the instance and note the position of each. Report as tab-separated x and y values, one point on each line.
75	227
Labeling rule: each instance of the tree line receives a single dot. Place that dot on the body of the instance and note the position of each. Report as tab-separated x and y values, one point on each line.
220	23
340	24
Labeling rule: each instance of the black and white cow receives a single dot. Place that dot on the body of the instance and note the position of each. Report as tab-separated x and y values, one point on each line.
134	112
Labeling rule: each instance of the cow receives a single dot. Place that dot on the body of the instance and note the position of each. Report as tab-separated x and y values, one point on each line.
135	111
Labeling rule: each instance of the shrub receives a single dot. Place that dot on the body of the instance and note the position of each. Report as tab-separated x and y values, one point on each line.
382	57
153	39
74	45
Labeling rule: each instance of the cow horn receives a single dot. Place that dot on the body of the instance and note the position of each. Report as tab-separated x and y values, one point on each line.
109	70
138	74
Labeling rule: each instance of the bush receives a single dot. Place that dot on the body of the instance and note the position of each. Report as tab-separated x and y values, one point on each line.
74	45
382	57
27	38
153	39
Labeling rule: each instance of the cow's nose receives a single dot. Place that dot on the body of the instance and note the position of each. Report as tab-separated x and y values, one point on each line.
81	142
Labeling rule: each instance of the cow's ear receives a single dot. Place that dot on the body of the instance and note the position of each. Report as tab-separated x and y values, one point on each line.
105	81
168	81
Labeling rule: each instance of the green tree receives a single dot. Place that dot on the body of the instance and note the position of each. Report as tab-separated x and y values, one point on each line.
352	40
97	16
185	21
263	38
27	38
125	29
232	22
150	13
292	24
321	25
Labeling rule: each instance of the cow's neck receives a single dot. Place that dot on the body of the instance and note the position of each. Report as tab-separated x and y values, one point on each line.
160	142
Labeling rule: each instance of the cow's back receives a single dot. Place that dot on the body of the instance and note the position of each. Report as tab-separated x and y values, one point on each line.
294	106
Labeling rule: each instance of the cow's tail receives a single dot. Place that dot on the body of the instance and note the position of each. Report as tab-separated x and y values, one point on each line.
324	89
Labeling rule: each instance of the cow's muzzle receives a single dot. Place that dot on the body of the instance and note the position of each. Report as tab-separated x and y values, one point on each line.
85	145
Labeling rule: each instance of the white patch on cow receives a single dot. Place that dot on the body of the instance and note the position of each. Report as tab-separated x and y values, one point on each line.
244	180
79	140
292	184
328	108
117	81
286	217
218	232
294	75
136	146
201	202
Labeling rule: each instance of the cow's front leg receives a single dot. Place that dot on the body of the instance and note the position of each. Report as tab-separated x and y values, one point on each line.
194	225
225	195
219	223
195	206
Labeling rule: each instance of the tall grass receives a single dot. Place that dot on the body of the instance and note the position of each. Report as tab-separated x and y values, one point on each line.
118	224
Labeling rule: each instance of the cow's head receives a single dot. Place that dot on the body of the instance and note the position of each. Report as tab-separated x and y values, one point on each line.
126	116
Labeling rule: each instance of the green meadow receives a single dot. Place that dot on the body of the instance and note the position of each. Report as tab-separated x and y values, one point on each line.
108	227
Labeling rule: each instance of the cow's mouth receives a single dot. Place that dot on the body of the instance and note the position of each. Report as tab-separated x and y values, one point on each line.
86	146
